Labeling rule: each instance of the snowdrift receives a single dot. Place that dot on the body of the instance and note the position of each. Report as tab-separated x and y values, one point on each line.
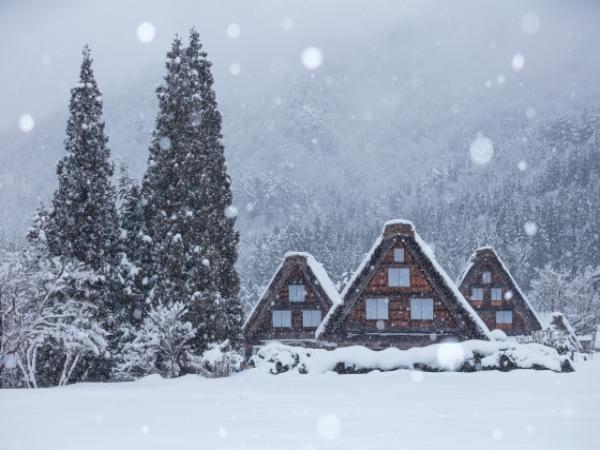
467	356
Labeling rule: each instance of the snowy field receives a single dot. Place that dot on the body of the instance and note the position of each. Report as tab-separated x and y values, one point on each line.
524	409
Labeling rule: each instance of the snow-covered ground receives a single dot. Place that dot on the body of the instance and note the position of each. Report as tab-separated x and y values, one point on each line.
523	409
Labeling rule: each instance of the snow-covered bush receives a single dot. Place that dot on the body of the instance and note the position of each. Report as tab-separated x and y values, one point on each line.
467	356
47	324
558	334
160	345
220	360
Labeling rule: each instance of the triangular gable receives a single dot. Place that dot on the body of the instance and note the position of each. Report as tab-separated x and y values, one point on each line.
487	254
315	277
452	298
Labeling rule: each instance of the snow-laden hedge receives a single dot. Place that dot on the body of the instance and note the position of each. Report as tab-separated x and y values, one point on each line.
467	356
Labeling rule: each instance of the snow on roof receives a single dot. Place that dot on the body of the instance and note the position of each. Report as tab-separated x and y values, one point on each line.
318	271
469	265
429	253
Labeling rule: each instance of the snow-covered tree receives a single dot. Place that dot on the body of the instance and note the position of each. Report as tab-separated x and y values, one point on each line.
160	345
48	326
187	194
83	222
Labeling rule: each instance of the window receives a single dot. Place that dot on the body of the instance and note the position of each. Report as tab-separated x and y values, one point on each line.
282	319
421	309
486	277
296	292
399	255
477	294
398	277
377	308
496	294
503	316
311	318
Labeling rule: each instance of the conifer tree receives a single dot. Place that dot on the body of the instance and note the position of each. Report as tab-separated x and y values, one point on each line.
187	194
83	221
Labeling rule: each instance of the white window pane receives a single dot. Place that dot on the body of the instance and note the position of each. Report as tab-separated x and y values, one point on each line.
382	308
503	316
286	319
487	277
477	294
427	308
496	294
311	318
415	309
371	308
276	318
399	254
296	292
398	277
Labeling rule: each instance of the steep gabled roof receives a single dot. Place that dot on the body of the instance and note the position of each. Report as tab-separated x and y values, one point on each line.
408	230
317	270
489	251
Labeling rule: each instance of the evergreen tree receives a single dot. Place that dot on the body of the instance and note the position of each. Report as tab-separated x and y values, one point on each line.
187	194
83	221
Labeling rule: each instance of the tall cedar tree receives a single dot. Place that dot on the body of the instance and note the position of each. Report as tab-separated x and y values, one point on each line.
83	222
187	193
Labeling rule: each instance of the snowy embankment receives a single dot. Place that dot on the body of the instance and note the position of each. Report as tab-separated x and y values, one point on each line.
467	356
404	409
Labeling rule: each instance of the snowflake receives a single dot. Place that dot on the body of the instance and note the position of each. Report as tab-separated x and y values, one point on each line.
145	32
26	123
312	58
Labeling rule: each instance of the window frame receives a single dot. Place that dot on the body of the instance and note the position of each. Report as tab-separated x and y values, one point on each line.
390	278
420	301
486	279
479	289
295	286
396	252
281	313
502	314
496	289
378	309
312	318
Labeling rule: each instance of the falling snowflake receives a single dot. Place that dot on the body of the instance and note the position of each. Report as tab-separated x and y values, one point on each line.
233	30
380	324
481	149
145	429
530	228
235	69
222	432
501	78
145	32
287	24
497	434
522	165
205	262
312	58
328	427
530	23
231	212
508	295
249	206
518	62
26	123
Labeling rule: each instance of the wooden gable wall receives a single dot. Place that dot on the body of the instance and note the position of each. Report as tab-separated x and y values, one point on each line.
523	319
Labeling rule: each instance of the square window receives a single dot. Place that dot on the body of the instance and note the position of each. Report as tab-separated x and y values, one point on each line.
503	317
311	318
477	294
296	292
377	308
486	277
398	277
399	255
421	309
496	294
282	319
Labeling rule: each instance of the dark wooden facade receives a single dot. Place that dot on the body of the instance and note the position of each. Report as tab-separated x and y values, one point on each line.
400	247
297	269
492	291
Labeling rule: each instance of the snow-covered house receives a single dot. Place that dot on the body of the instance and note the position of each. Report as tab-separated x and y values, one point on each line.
488	285
293	305
399	296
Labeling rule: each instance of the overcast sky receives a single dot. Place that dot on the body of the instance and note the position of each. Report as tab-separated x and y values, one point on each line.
40	41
